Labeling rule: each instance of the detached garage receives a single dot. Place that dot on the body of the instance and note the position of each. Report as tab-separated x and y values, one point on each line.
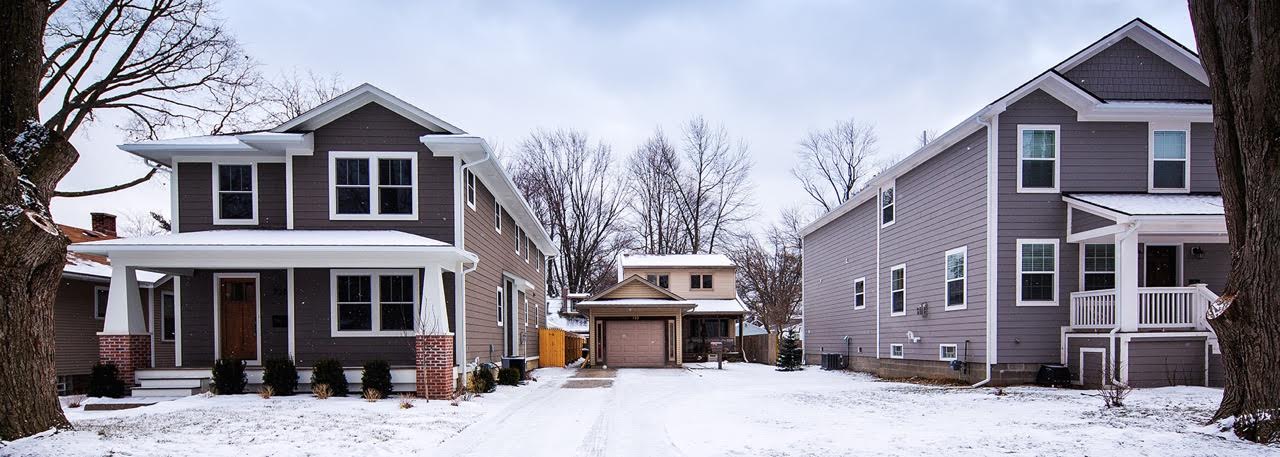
635	324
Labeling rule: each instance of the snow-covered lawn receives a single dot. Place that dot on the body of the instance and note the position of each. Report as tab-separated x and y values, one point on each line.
743	410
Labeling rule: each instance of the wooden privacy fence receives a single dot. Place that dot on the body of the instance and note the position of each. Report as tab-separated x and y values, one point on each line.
761	348
557	348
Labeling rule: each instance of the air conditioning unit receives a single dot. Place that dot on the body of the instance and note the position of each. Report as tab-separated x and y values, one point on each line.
832	361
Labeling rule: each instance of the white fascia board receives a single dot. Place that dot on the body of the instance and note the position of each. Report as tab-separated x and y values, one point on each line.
257	147
1146	112
189	257
354	99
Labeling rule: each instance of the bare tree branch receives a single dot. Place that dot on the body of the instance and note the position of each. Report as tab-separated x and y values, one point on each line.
108	189
834	162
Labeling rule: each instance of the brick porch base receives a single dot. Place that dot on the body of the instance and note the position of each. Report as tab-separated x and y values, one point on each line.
127	352
435	366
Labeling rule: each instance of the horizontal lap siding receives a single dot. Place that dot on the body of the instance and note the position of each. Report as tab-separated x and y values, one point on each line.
75	328
1074	345
1212	269
1159	362
374	128
313	303
164	350
195	197
198	315
1082	221
1204	167
834	256
1129	71
940	205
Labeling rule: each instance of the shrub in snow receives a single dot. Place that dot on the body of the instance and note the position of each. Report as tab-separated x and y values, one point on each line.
321	391
482	380
104	381
372	395
376	376
329	372
74	401
266	391
281	375
789	352
509	376
1112	392
406	401
228	377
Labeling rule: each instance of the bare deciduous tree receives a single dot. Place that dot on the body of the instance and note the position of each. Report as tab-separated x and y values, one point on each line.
655	224
926	137
164	63
835	162
769	272
581	202
1240	49
294	93
710	186
142	224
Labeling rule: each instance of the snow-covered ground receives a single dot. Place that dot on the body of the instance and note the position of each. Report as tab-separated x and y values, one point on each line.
745	409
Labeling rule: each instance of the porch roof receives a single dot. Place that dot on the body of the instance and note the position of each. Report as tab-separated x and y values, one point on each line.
636	303
249	238
718	306
1155	204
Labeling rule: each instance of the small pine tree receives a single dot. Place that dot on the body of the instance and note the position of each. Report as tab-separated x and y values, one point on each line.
789	352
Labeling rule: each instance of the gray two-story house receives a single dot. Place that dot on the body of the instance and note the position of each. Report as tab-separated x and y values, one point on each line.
364	229
1075	220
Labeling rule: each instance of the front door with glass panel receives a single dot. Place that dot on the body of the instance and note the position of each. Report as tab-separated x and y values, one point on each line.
1162	266
238	309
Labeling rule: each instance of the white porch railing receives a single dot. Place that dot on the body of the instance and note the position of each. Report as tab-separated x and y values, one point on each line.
1158	307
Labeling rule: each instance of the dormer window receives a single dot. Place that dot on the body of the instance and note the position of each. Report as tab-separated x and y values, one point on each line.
236	189
373	186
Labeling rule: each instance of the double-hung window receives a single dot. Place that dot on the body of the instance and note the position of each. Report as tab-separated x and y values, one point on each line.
497	217
502	305
698	281
860	293
1037	272
898	290
470	179
1099	266
167	327
1170	170
373	185
956	264
519	239
235	187
528	246
1038	147
100	297
374	302
888	199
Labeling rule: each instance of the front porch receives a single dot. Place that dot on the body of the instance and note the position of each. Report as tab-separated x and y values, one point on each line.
1166	308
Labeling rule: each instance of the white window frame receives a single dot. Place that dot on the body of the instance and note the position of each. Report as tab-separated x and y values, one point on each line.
1057	159
893	185
903	267
526	310
1057	260
497	215
1157	127
955	350
375	302
963	251
528	246
374	203
217	198
518	238
469	188
1083	256
502	306
164	315
102	306
863	294
901	351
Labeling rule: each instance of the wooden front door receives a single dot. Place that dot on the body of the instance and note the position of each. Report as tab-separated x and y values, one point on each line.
1162	266
238	310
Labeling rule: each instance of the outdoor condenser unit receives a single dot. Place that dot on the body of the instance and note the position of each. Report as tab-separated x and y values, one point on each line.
832	361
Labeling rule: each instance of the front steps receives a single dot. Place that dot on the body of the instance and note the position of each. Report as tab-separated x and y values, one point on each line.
171	383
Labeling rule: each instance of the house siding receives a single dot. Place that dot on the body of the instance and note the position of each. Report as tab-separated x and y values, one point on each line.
722	280
1211	270
834	256
1128	71
1096	373
313	305
374	128
75	329
1204	167
1159	362
164	350
195	197
1082	221
198	315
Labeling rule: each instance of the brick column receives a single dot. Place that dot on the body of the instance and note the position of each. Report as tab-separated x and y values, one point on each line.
128	352
434	356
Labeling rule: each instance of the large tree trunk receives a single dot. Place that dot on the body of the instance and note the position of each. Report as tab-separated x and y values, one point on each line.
1239	45
32	251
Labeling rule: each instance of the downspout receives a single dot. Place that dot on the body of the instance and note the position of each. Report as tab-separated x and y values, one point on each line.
990	120
460	283
1111	336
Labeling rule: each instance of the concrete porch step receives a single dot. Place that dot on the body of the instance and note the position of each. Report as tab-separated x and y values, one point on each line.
189	383
165	391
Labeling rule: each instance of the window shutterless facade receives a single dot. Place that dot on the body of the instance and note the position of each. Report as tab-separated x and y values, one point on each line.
1099	267
502	305
470	179
661	280
1170	169
1037	272
100	297
895	351
373	186
374	302
699	281
235	194
888	204
898	290
1038	150
167	327
497	216
860	293
528	246
956	265
518	238
947	352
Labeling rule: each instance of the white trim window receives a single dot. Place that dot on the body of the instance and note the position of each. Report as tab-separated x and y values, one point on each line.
1037	272
1099	267
1038	164
526	310
167	327
895	351
898	290
497	216
373	186
888	204
101	295
947	352
374	302
860	293
235	194
518	238
956	263
662	280
1170	169
528	246
502	305
698	281
470	179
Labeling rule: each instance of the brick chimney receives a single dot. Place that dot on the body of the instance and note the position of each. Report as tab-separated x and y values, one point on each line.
104	223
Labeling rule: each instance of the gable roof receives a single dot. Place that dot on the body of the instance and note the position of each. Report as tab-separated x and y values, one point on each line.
1088	106
97	267
353	99
634	279
676	260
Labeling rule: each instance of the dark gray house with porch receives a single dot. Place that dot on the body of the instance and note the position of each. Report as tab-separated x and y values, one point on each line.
1075	220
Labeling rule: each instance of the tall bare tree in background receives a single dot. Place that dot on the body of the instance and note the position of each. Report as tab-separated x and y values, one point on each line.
769	273
926	137
1239	45
581	201
162	62
834	162
654	223
709	187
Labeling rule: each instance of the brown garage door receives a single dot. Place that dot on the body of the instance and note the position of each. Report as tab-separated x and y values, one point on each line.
634	343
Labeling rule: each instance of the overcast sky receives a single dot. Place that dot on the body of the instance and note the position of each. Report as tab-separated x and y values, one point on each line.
768	71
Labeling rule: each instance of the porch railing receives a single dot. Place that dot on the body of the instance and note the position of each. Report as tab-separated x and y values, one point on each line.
1158	307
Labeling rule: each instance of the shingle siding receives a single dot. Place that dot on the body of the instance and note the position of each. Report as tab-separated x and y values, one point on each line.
1128	71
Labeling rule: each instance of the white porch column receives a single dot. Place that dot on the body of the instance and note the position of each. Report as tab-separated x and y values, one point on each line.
124	304
433	319
1127	279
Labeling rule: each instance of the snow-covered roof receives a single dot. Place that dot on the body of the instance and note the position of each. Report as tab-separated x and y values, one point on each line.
568	324
729	305
637	302
677	260
85	266
1155	204
749	329
272	238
